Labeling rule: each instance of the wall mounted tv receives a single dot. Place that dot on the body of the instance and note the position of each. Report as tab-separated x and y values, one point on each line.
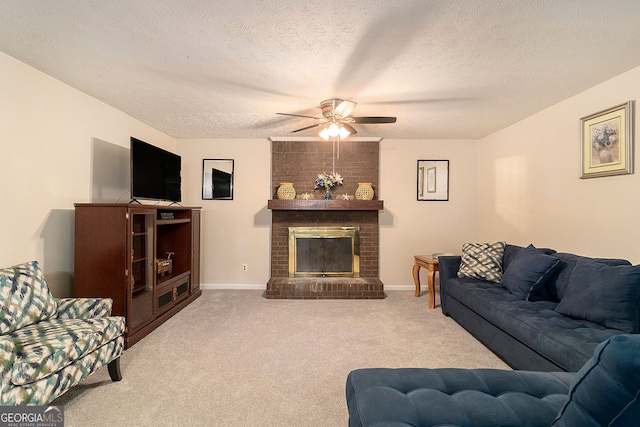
155	173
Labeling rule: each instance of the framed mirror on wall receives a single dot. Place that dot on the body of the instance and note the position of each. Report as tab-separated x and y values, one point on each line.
433	180
217	179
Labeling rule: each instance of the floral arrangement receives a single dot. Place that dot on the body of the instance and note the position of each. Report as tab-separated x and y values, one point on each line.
328	181
604	137
605	144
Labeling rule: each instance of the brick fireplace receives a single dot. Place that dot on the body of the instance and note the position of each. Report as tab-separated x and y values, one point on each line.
299	161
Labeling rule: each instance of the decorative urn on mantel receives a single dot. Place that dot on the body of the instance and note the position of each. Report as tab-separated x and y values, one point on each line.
286	191
364	191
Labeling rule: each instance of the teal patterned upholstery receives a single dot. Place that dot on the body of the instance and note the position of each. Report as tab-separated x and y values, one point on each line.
83	308
25	297
49	345
47	389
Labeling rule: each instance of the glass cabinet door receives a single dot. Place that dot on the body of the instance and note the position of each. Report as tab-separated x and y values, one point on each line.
140	304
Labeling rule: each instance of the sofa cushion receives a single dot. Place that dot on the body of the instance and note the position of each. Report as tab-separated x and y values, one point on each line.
454	397
48	346
605	295
24	296
528	272
568	342
606	391
482	261
512	251
557	284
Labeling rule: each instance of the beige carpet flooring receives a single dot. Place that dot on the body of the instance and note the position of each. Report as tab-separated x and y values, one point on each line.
233	358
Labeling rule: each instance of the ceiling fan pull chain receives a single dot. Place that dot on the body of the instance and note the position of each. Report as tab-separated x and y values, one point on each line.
333	155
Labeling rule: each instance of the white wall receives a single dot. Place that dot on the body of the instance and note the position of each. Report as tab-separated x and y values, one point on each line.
238	231
530	191
410	227
47	130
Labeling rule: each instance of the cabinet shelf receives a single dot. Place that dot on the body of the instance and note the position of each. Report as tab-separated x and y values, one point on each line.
137	289
161	280
173	221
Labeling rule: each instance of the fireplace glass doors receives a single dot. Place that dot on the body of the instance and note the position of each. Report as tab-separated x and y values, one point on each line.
324	252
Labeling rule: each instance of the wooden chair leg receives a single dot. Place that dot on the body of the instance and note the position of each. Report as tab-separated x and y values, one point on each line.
114	369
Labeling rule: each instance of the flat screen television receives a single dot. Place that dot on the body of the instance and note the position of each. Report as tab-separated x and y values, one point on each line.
155	173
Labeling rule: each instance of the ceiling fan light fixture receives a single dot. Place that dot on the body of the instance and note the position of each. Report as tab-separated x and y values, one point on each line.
343	133
334	130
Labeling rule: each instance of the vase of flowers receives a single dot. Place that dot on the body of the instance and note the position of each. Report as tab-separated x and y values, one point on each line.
326	182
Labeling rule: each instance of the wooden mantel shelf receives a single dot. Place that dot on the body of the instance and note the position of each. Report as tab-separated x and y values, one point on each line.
325	205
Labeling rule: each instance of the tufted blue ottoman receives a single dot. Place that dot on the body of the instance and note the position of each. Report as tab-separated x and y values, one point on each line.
605	392
456	397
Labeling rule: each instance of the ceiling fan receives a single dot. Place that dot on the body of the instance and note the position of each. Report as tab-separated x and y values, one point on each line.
336	120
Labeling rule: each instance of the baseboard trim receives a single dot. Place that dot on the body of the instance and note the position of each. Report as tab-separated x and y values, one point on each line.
219	286
399	287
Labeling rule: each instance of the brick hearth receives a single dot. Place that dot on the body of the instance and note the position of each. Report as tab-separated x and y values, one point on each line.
324	288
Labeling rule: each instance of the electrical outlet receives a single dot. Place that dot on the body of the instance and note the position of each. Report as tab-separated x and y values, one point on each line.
245	267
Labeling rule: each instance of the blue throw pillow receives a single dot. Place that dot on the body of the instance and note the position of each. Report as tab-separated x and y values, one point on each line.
606	390
608	296
528	272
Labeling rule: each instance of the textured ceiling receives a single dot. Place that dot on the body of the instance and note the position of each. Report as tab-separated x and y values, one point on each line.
222	69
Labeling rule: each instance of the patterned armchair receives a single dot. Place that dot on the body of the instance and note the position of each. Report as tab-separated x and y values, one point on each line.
48	345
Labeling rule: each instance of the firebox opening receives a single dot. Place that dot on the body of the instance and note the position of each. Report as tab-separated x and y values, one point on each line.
324	252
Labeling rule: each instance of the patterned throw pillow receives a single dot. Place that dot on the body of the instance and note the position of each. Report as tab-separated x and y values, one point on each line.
482	261
24	297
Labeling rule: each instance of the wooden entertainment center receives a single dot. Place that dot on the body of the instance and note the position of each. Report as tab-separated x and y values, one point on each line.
145	257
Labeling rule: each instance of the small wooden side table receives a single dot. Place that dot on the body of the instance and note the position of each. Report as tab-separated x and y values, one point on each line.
431	264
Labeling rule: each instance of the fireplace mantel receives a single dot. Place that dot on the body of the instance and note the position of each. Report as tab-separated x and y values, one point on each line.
325	205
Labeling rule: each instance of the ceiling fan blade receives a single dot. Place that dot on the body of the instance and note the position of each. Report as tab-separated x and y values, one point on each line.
300	115
307	127
351	129
374	119
380	45
344	108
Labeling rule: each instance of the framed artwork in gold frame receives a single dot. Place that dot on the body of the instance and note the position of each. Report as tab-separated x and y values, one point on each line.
607	142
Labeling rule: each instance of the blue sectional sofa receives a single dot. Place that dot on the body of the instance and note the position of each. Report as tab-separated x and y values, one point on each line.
545	313
605	392
548	310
